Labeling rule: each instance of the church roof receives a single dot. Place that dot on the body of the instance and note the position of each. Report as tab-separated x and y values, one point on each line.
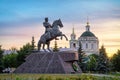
87	34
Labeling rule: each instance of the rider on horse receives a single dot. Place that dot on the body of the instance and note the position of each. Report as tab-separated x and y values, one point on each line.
48	26
51	33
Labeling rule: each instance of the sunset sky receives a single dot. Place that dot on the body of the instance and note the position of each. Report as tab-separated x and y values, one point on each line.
22	19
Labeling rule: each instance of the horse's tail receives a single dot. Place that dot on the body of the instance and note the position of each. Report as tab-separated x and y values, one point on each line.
39	44
42	40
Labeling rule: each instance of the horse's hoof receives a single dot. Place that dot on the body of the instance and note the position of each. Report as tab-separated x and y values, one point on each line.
56	39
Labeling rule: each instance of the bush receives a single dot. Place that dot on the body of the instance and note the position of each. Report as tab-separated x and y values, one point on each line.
41	78
75	67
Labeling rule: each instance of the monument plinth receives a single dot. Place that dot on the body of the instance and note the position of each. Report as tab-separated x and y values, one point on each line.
50	62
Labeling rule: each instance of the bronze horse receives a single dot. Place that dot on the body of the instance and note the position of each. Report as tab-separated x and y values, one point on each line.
52	34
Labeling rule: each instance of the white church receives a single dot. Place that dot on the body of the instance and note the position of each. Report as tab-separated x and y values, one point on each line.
89	42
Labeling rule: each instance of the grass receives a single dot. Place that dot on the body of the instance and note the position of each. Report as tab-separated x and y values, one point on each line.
54	77
115	73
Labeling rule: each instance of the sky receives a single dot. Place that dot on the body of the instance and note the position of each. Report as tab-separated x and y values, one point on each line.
22	19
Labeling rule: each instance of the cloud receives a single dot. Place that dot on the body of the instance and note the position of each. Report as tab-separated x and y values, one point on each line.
117	40
12	35
112	46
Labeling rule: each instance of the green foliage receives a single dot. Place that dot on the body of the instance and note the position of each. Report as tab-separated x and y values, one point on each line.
41	78
18	78
75	67
45	78
82	62
103	61
23	52
55	49
33	43
9	60
92	62
16	59
116	61
55	77
1	55
80	52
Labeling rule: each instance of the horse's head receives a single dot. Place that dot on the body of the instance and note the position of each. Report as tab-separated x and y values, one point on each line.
60	23
57	22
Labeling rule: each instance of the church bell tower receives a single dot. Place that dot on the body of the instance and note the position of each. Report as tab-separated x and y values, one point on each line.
73	41
73	36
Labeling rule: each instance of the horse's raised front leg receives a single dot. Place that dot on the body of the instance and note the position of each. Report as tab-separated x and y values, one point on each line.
65	37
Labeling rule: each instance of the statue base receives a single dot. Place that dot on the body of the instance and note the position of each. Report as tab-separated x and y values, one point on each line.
50	63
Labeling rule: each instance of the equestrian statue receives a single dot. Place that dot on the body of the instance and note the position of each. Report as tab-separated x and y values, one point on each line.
51	32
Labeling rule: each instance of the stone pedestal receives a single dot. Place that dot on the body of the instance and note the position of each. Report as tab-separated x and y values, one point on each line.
50	63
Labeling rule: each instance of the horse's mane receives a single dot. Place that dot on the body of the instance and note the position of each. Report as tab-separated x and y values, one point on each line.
54	23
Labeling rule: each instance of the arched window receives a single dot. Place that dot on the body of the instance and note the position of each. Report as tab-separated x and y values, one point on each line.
74	45
86	45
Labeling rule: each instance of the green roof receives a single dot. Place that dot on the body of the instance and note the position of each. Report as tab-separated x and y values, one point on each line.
87	34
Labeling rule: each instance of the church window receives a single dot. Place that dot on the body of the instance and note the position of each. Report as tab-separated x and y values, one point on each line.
86	45
74	45
91	46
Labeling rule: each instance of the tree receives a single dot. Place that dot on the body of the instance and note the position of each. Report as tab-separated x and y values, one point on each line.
80	53
1	55
92	62
116	61
9	60
103	61
23	52
55	49
33	43
82	59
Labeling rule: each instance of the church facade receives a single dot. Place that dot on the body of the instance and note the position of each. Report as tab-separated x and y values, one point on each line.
89	42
